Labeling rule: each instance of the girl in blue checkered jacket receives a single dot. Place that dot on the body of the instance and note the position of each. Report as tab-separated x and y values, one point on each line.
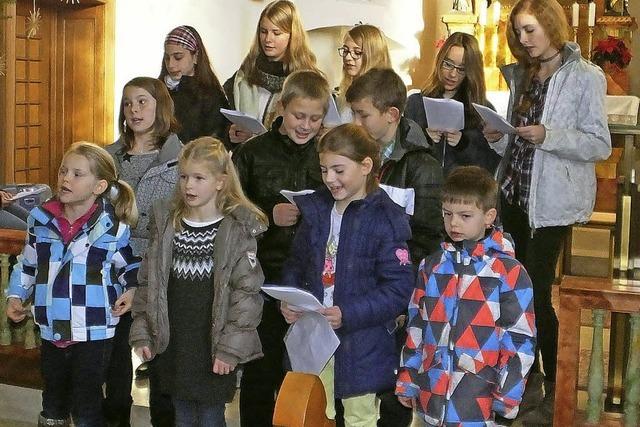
78	271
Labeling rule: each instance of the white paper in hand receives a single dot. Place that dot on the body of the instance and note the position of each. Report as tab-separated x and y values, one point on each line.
29	191
289	195
244	121
494	120
297	297
405	197
444	114
310	343
332	118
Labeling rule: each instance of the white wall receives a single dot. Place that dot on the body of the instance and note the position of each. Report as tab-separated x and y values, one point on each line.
227	28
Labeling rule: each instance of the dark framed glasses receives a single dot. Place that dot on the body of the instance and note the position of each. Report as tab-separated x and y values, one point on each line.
450	66
355	54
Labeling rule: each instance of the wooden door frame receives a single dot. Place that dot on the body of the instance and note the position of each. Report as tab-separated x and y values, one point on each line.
104	134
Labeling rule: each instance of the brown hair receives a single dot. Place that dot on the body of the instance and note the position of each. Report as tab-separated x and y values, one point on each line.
471	185
284	15
472	88
211	151
165	122
385	88
118	192
551	17
305	84
375	52
203	71
355	143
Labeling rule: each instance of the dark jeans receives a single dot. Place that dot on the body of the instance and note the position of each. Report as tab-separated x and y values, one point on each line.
160	404
117	403
190	413
538	252
73	379
261	379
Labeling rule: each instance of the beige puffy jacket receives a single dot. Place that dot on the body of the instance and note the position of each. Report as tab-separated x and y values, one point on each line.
237	306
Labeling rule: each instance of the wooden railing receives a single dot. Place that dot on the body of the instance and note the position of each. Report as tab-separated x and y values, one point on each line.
11	243
599	295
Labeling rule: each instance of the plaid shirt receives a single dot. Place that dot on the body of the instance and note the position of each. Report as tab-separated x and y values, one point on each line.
516	184
74	285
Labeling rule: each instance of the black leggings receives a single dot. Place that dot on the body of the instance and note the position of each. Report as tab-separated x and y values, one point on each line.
538	252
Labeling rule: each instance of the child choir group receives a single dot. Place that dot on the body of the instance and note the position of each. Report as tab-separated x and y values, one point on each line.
161	241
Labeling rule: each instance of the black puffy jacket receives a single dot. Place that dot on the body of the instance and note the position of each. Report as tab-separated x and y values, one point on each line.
267	164
198	110
412	166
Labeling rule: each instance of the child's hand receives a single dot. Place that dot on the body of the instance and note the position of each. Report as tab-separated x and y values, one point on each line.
144	353
222	368
290	315
123	304
333	316
285	214
409	402
15	310
453	137
237	135
491	135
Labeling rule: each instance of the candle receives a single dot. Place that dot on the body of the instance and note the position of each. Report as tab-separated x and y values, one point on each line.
482	13
592	14
496	11
575	14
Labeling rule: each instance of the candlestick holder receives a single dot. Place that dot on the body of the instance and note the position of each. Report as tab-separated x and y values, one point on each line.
575	34
590	42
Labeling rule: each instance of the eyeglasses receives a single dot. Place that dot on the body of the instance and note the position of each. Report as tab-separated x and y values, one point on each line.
450	66
355	54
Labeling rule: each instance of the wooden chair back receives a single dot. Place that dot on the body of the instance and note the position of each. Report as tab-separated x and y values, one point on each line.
301	402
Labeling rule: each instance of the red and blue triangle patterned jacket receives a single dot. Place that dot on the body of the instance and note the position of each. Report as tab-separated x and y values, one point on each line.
470	334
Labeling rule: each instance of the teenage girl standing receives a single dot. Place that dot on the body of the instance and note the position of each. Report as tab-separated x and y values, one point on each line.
458	74
547	174
196	92
280	47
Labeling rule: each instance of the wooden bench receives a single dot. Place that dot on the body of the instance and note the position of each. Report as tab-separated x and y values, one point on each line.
598	294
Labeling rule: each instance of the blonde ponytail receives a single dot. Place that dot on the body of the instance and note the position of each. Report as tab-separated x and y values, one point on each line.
123	199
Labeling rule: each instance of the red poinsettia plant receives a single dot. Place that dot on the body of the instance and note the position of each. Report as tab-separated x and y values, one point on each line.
612	49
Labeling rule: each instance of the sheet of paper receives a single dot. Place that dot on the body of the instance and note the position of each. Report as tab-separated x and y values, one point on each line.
332	118
493	119
405	197
300	298
289	195
444	114
310	343
244	121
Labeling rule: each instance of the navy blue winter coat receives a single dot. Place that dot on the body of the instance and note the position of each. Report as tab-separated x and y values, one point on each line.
373	282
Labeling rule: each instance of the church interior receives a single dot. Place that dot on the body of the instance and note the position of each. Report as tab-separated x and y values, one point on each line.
63	65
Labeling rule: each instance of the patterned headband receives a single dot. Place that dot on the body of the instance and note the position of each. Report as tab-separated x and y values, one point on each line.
183	36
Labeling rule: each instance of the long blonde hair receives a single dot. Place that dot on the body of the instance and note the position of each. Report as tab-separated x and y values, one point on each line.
211	151
118	192
551	17
284	15
375	52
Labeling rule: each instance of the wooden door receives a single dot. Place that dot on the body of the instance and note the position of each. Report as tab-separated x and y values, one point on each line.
32	136
58	87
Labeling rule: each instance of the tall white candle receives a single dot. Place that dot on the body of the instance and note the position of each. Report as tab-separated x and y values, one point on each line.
496	11
592	14
482	12
575	14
